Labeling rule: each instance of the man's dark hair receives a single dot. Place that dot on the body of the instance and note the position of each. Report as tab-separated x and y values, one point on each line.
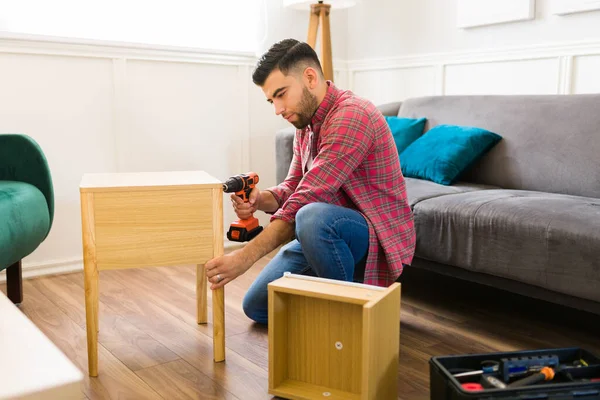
285	56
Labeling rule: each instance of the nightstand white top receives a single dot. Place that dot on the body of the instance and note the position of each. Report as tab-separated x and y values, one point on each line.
149	180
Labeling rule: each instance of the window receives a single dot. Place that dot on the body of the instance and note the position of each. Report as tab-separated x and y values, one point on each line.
229	25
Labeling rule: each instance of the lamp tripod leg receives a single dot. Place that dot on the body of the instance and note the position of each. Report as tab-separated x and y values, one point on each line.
326	45
313	28
319	13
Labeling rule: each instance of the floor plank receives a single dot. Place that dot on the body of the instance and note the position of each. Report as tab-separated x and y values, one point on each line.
252	345
178	298
178	380
132	346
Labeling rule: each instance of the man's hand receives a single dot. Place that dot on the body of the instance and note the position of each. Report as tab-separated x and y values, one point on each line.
224	269
245	210
263	201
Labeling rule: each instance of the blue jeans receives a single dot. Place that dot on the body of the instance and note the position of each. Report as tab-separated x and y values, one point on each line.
331	242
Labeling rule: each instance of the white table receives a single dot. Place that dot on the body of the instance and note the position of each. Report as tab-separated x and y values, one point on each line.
31	366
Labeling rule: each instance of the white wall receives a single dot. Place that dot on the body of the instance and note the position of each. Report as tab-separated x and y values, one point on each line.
385	28
413	48
183	23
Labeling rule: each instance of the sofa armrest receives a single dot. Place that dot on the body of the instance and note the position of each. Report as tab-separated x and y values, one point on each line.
22	160
390	109
284	152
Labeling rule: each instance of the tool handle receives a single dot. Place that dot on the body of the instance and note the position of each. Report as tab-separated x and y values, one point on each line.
245	194
492	382
531	379
545	374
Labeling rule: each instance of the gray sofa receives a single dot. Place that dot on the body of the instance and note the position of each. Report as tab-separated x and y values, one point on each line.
525	217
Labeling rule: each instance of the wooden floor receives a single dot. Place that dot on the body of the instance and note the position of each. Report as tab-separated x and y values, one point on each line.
151	347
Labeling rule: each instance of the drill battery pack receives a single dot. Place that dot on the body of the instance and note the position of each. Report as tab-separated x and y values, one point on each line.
244	230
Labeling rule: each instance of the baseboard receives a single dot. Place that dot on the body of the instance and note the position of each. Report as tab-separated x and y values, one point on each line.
49	268
76	264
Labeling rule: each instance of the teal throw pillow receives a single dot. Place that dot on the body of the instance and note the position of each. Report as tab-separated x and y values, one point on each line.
446	151
405	130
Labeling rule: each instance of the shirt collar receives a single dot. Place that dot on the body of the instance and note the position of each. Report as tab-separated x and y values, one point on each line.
324	107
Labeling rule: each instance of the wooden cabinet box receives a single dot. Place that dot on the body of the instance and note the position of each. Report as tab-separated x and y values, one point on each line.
333	340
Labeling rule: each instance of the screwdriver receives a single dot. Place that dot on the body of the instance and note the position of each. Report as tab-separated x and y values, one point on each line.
545	374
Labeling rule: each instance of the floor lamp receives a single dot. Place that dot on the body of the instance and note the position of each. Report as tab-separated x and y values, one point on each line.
319	14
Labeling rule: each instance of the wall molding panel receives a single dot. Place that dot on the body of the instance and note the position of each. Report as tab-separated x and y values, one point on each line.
556	62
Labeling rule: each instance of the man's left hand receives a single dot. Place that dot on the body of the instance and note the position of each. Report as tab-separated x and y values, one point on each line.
224	269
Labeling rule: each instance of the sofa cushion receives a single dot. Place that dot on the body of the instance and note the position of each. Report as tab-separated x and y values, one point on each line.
24	220
405	130
548	240
419	189
443	153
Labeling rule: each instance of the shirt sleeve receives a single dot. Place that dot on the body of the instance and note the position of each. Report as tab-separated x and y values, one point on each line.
282	192
346	138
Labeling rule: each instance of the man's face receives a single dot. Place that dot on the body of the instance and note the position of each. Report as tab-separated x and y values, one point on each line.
291	97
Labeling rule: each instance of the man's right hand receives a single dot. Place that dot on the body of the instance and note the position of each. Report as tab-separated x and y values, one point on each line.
245	210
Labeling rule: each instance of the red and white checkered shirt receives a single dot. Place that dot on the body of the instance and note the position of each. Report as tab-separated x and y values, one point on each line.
355	165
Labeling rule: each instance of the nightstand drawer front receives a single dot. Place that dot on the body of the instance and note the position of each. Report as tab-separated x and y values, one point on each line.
153	228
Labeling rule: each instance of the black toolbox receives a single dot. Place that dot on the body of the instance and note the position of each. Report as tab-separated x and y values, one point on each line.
576	375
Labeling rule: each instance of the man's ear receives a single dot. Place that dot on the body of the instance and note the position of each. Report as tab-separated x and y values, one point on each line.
311	77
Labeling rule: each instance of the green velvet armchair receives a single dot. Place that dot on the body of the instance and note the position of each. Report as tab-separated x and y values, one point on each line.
26	205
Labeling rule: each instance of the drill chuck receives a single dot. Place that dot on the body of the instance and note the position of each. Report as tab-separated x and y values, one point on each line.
240	182
233	184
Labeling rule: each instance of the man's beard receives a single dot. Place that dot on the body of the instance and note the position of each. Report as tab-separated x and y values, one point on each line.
306	109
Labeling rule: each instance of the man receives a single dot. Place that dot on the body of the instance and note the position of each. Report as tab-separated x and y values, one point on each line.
344	198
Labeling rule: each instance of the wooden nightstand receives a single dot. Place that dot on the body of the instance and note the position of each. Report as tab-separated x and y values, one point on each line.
134	220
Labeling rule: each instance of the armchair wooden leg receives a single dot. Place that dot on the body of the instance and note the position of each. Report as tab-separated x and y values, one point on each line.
14	283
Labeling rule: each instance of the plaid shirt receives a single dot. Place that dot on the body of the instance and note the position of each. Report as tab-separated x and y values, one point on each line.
355	165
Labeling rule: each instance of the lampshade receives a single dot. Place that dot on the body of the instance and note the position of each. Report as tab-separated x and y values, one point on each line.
305	4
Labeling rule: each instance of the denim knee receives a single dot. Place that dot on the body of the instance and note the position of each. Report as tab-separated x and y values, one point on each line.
309	220
253	310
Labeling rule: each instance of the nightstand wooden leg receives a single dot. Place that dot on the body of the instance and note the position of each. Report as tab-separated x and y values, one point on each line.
90	280
218	295
91	317
218	306
201	294
97	303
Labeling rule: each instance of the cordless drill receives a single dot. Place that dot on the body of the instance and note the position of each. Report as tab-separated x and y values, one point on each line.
242	230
